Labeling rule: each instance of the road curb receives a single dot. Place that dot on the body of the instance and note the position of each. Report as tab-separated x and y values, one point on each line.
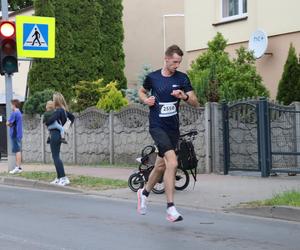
21	182
275	212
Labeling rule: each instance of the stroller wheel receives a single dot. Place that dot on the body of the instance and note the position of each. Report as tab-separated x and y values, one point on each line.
135	182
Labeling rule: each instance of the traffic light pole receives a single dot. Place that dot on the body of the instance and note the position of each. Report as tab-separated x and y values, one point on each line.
8	95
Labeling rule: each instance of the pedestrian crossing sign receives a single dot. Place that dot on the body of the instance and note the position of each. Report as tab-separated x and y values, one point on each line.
35	36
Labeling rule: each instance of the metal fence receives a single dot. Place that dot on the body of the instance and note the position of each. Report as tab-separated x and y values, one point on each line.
240	136
284	130
259	135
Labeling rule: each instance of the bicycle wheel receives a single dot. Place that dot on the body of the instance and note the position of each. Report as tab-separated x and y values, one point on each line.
135	182
182	179
159	188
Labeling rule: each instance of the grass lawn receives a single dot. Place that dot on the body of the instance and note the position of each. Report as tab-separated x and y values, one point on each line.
94	165
288	198
83	182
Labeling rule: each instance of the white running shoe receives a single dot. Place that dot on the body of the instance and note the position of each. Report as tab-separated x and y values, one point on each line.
64	181
55	181
142	202
16	170
173	215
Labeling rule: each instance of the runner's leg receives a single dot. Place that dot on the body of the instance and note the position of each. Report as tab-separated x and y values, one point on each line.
169	176
156	173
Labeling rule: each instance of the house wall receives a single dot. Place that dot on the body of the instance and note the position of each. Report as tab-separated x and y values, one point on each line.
144	39
280	21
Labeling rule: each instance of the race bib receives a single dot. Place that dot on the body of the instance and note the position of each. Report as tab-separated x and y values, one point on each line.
167	109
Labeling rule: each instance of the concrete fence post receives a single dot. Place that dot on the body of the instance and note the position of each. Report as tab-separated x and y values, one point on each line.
207	114
74	142
215	116
297	131
43	145
111	138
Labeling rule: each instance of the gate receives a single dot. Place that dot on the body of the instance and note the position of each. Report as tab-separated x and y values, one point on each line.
284	130
261	136
240	136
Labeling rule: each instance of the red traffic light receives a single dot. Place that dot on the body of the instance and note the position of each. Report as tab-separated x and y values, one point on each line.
8	48
7	29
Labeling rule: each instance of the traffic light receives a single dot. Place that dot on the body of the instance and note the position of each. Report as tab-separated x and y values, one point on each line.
8	52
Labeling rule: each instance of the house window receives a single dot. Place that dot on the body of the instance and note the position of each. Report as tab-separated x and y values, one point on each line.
232	9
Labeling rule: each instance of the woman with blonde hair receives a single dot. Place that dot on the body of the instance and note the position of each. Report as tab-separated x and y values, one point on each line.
61	115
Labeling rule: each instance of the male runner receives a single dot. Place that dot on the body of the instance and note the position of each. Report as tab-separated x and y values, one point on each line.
167	88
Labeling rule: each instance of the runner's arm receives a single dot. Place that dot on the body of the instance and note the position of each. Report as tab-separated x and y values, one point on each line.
192	99
143	95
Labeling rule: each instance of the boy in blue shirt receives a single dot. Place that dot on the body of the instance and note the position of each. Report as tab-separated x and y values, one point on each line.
15	125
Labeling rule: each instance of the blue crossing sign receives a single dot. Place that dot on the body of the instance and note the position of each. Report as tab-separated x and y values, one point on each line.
35	36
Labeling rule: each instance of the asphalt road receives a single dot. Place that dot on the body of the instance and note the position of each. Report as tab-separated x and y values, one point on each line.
31	219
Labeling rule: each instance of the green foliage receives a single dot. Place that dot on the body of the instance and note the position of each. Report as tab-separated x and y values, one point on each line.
36	103
88	45
287	198
216	77
111	99
132	93
78	181
19	4
241	80
112	36
289	85
87	94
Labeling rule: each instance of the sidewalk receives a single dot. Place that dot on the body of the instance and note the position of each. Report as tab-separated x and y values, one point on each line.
216	192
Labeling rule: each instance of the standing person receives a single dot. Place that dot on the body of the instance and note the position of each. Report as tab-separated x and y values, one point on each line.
15	125
50	109
60	115
167	87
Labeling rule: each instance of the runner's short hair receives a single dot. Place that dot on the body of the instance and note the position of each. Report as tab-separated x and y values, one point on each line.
174	49
16	103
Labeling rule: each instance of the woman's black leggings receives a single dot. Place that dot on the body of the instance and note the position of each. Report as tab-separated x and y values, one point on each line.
55	142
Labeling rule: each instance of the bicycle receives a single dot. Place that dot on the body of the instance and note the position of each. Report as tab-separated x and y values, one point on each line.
147	161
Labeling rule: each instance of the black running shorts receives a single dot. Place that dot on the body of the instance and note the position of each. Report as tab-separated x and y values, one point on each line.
165	141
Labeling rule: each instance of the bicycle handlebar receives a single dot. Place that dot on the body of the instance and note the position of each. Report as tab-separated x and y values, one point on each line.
191	133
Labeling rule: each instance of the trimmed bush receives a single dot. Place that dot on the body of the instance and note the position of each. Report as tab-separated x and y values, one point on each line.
111	99
216	77
36	103
87	94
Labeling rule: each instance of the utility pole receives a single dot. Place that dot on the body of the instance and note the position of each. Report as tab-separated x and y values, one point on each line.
8	95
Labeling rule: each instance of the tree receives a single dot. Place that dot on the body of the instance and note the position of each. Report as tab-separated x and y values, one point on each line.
36	104
289	85
216	77
241	79
132	93
81	41
112	37
19	4
111	99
